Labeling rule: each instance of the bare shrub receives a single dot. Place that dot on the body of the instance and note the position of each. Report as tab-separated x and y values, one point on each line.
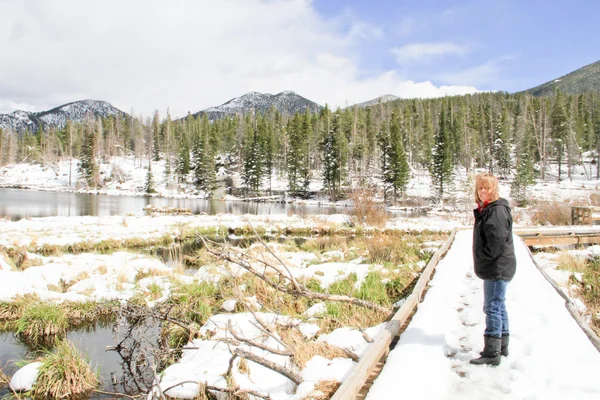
366	209
551	213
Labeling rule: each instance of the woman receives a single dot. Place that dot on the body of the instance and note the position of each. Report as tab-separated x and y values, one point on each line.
494	261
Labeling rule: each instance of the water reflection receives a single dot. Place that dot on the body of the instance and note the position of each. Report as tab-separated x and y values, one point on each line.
19	203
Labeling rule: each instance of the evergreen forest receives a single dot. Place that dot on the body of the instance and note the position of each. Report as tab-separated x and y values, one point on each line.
516	136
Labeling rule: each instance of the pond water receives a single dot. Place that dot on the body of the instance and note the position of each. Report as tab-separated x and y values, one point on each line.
117	373
20	203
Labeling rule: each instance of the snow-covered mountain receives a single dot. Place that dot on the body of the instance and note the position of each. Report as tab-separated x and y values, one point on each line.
57	117
384	99
286	102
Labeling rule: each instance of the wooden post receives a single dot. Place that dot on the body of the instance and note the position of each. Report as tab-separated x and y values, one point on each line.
581	215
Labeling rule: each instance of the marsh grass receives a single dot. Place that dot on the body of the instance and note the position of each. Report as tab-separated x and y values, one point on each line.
194	302
303	351
81	313
324	390
390	250
590	291
154	291
339	315
64	373
10	311
569	262
40	321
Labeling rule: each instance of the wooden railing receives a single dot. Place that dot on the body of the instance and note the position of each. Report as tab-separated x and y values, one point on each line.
584	215
559	235
381	344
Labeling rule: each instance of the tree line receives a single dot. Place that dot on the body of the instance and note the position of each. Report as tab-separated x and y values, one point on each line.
510	135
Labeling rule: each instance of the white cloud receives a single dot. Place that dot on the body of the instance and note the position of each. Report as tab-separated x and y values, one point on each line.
479	75
184	55
424	52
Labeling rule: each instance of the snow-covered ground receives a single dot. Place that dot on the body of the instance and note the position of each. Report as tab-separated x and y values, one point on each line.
550	356
444	334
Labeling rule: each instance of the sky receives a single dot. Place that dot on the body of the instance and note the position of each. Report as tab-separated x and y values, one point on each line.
187	55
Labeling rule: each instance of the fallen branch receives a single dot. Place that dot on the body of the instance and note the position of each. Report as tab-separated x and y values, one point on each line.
236	391
241	259
291	375
257	344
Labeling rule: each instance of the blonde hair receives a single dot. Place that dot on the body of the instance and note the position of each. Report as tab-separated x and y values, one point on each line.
490	182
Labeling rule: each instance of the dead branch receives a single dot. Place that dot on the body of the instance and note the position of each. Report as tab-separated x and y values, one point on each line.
236	391
264	327
257	344
291	375
241	259
291	277
231	360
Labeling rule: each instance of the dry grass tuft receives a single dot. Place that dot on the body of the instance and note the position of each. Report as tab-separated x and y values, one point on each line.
324	390
65	373
4	379
366	210
568	262
243	366
10	311
303	351
551	213
102	270
40	321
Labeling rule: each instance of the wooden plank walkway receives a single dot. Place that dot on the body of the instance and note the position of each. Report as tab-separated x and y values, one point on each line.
362	377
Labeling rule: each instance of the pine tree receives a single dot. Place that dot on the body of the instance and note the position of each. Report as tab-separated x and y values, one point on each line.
501	146
524	163
183	162
396	173
156	137
441	167
296	156
89	169
253	161
204	164
334	158
559	121
149	186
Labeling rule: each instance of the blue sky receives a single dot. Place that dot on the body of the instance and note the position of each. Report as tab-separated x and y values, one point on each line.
189	55
500	44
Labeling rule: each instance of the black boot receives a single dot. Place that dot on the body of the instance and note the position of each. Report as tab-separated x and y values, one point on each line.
503	346
491	352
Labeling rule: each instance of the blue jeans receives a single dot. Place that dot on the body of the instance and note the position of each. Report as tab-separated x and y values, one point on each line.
494	307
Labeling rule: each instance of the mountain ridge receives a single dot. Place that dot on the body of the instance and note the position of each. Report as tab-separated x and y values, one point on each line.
21	121
584	79
286	102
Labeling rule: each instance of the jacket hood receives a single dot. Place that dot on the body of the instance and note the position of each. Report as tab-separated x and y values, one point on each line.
500	202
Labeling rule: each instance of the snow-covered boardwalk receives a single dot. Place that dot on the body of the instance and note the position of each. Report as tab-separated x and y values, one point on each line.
550	356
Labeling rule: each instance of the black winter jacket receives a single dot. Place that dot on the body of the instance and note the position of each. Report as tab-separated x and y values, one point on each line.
493	250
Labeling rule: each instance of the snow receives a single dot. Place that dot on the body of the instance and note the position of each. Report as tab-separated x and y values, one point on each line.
25	378
550	356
